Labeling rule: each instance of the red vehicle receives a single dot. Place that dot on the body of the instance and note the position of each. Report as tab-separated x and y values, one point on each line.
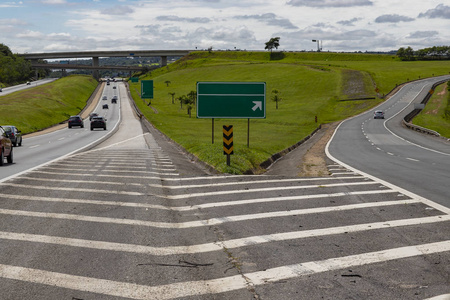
6	148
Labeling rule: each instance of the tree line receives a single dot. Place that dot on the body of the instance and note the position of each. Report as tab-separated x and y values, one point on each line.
13	68
432	53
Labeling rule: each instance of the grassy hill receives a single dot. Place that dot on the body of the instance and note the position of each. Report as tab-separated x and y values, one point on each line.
311	84
46	105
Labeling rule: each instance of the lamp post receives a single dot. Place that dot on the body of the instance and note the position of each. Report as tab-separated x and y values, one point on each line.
318	47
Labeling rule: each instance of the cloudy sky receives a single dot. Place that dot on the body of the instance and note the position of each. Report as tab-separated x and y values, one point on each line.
340	25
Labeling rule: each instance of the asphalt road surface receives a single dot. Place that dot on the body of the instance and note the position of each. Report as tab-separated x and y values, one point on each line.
133	218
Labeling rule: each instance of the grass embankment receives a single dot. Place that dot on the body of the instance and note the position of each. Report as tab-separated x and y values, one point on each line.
46	105
436	115
311	84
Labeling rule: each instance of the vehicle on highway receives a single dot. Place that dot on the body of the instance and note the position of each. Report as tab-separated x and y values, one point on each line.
98	122
378	114
105	106
28	83
14	134
76	121
1	89
6	148
105	98
114	87
114	99
91	115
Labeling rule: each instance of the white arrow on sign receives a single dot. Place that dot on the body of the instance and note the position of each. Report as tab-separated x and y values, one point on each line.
258	104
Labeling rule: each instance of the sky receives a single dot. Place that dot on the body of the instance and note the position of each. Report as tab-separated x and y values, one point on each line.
340	25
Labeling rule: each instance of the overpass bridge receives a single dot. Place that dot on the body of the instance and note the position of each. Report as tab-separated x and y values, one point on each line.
95	55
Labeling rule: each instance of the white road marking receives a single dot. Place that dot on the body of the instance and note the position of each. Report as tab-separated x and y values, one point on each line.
218	246
35	146
207	222
174	187
412	159
97	175
219	285
79	181
228	192
78	190
114	171
440	297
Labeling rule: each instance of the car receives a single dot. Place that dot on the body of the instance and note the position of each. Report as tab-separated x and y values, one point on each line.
91	115
104	98
28	83
6	148
14	134
76	121
378	114
1	89
114	87
107	83
105	106
114	99
98	122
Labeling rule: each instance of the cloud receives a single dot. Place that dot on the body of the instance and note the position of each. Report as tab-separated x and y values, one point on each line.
118	10
393	19
440	12
178	19
52	2
349	22
422	34
330	3
269	19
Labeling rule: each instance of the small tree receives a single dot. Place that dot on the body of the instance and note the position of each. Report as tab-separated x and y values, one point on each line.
167	82
173	96
273	43
276	97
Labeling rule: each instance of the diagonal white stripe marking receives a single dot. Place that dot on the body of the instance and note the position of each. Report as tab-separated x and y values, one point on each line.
219	285
208	222
71	189
219	246
229	192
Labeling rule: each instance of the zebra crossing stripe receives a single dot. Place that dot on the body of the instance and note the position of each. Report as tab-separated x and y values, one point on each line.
214	286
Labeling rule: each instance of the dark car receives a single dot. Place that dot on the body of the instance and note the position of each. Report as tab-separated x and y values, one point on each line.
378	114
76	121
6	148
105	106
114	99
98	122
104	98
91	115
14	134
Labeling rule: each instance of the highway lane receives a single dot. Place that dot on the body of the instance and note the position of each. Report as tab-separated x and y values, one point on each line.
24	86
42	149
386	150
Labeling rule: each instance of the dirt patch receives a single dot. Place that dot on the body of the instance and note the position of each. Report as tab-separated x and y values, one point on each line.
314	163
353	85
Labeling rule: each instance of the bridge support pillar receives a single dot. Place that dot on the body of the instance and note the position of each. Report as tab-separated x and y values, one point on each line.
163	61
95	63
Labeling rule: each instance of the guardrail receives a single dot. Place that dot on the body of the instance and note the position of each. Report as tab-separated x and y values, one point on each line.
408	118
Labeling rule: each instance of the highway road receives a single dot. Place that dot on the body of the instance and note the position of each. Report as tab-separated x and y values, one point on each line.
385	149
41	149
134	218
19	87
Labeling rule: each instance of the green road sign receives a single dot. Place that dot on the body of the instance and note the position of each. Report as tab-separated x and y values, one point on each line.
238	100
147	89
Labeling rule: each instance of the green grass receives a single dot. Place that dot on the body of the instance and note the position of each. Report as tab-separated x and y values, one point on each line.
46	105
433	116
310	85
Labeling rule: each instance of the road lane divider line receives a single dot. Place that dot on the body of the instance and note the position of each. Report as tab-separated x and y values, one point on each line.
219	246
207	222
79	190
218	285
230	192
189	186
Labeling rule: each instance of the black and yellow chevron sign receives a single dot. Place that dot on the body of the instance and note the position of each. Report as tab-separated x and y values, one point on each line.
228	139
